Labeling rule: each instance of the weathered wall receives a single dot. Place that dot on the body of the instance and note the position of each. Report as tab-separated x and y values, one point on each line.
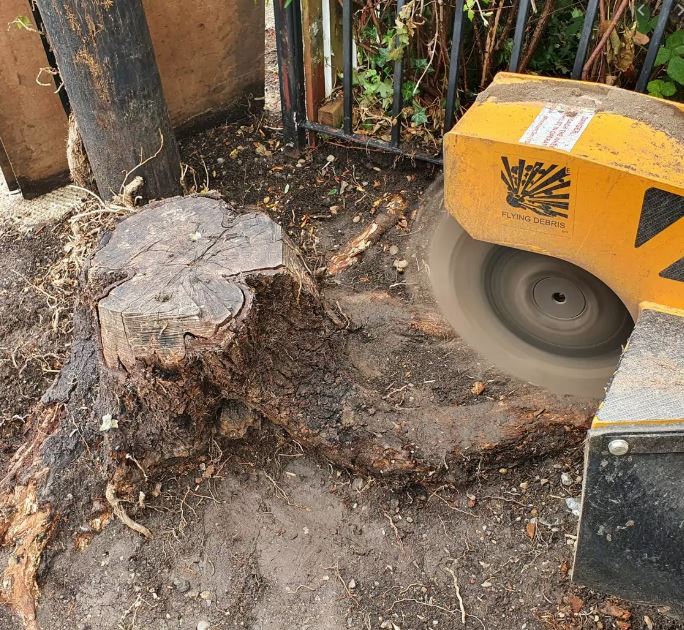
33	125
210	55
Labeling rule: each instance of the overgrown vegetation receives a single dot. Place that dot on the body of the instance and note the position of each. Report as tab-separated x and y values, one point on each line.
421	35
670	67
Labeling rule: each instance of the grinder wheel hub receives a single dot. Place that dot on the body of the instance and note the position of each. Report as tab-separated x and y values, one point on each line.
539	318
552	304
558	298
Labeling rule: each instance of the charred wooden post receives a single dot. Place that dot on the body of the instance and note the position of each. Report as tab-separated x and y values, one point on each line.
288	27
106	60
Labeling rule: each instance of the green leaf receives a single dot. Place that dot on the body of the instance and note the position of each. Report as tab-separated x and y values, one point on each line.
668	88
675	39
663	56
645	21
407	90
385	88
675	69
655	88
661	88
679	51
420	64
420	116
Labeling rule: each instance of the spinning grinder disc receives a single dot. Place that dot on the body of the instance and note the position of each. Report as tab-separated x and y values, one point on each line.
538	318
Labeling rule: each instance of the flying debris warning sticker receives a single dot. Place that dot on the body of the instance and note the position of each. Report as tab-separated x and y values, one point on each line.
557	127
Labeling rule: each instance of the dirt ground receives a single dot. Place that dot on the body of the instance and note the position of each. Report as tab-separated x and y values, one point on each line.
261	535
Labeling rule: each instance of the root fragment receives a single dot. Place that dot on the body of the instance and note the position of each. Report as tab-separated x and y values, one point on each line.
393	213
120	512
28	531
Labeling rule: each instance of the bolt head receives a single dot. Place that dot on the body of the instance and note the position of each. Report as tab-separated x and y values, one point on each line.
618	447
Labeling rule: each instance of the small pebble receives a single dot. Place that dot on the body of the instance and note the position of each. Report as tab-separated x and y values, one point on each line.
352	584
220	160
566	479
393	250
400	265
203	625
358	484
181	585
573	505
356	218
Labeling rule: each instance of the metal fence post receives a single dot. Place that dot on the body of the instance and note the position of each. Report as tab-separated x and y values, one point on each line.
454	61
656	40
288	30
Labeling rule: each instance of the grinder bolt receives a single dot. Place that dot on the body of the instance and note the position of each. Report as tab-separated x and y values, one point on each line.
618	447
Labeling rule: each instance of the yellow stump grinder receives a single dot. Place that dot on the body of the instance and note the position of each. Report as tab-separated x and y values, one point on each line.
561	259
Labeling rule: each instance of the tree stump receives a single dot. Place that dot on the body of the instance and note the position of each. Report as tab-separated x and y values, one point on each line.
197	322
208	321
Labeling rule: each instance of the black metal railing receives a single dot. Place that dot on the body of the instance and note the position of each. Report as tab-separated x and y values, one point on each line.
288	26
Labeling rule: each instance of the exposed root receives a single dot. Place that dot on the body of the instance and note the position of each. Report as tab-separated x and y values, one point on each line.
28	531
371	234
120	512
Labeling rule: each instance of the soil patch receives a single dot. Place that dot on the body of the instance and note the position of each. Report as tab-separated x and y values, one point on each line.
260	535
35	332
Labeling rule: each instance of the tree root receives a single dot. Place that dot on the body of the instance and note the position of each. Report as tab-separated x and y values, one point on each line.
120	512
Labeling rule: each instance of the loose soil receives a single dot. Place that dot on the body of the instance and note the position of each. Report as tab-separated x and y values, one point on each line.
261	535
34	330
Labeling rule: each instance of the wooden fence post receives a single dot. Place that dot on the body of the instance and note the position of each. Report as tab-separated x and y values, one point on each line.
106	60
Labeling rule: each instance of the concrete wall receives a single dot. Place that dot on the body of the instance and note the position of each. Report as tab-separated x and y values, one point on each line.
210	55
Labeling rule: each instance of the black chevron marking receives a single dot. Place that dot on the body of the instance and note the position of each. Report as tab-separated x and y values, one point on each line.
660	209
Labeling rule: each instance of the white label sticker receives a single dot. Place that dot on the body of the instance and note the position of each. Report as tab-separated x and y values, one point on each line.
557	127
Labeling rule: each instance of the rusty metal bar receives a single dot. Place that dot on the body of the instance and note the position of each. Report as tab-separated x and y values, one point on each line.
370	142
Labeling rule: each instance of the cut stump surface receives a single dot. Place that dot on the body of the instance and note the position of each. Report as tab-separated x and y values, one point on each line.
182	265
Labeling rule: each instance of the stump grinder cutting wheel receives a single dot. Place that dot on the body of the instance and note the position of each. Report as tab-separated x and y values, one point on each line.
563	228
563	200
